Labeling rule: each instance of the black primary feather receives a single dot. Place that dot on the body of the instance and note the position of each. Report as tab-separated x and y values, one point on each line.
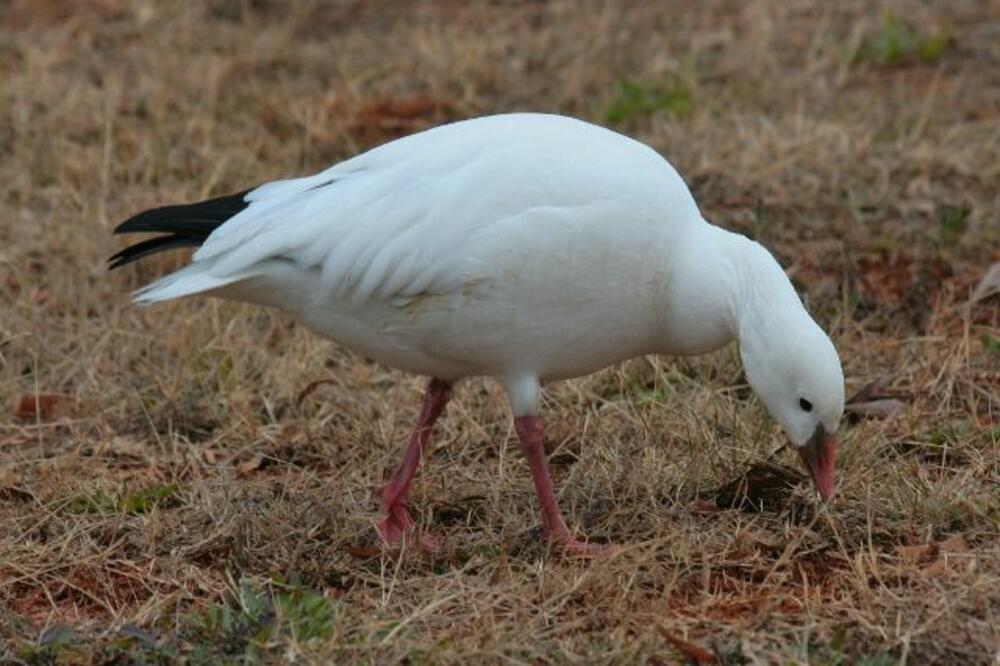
148	247
185	225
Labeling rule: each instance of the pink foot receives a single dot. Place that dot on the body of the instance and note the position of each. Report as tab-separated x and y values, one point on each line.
531	434
393	528
398	527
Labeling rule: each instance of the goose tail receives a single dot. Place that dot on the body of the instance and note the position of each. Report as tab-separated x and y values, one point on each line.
192	279
185	225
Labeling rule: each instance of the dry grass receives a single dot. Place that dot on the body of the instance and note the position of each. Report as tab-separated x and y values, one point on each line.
174	497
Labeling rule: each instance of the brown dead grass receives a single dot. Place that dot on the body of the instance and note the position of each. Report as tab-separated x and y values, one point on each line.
852	169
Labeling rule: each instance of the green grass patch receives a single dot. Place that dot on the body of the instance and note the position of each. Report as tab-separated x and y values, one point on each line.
634	100
991	343
133	503
304	614
232	630
953	221
253	621
836	653
895	43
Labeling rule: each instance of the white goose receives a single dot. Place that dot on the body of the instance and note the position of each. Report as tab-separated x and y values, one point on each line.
526	247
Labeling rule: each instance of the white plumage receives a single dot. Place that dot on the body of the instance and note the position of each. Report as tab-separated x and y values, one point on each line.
527	247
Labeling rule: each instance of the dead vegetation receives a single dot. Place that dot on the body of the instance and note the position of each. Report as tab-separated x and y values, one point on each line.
195	480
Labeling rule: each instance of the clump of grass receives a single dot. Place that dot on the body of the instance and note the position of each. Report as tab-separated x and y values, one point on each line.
836	653
254	620
635	100
235	628
991	343
99	501
134	502
54	645
895	43
304	614
130	644
133	645
953	221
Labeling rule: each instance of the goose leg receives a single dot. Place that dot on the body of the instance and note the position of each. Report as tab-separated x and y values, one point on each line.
393	494
531	432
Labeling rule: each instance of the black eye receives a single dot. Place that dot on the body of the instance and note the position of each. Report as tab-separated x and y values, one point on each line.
805	404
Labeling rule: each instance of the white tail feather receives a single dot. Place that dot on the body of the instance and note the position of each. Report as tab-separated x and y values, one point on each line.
192	279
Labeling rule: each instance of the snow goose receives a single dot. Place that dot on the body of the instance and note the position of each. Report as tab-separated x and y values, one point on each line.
526	247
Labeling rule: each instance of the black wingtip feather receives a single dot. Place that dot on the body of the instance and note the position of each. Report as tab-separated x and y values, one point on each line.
148	247
185	225
191	219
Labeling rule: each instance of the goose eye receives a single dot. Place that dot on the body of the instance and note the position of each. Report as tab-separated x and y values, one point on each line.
805	404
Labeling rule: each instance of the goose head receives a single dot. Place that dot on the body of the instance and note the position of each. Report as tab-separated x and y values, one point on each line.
794	369
789	361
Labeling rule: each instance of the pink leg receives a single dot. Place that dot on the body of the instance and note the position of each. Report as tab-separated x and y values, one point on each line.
393	494
532	435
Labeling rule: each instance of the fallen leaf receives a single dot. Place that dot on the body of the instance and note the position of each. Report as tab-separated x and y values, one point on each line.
250	466
870	391
362	552
134	631
389	117
702	505
40	406
56	634
920	554
310	387
10	475
122	449
874	400
882	408
933	557
404	108
956	545
885	279
15	494
989	285
694	653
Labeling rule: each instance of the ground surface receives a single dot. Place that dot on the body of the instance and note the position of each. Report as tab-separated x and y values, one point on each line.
195	480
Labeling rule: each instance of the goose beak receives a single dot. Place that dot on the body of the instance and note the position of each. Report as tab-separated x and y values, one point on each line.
819	455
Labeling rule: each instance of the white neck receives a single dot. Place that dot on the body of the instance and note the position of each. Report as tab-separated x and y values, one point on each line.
729	288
